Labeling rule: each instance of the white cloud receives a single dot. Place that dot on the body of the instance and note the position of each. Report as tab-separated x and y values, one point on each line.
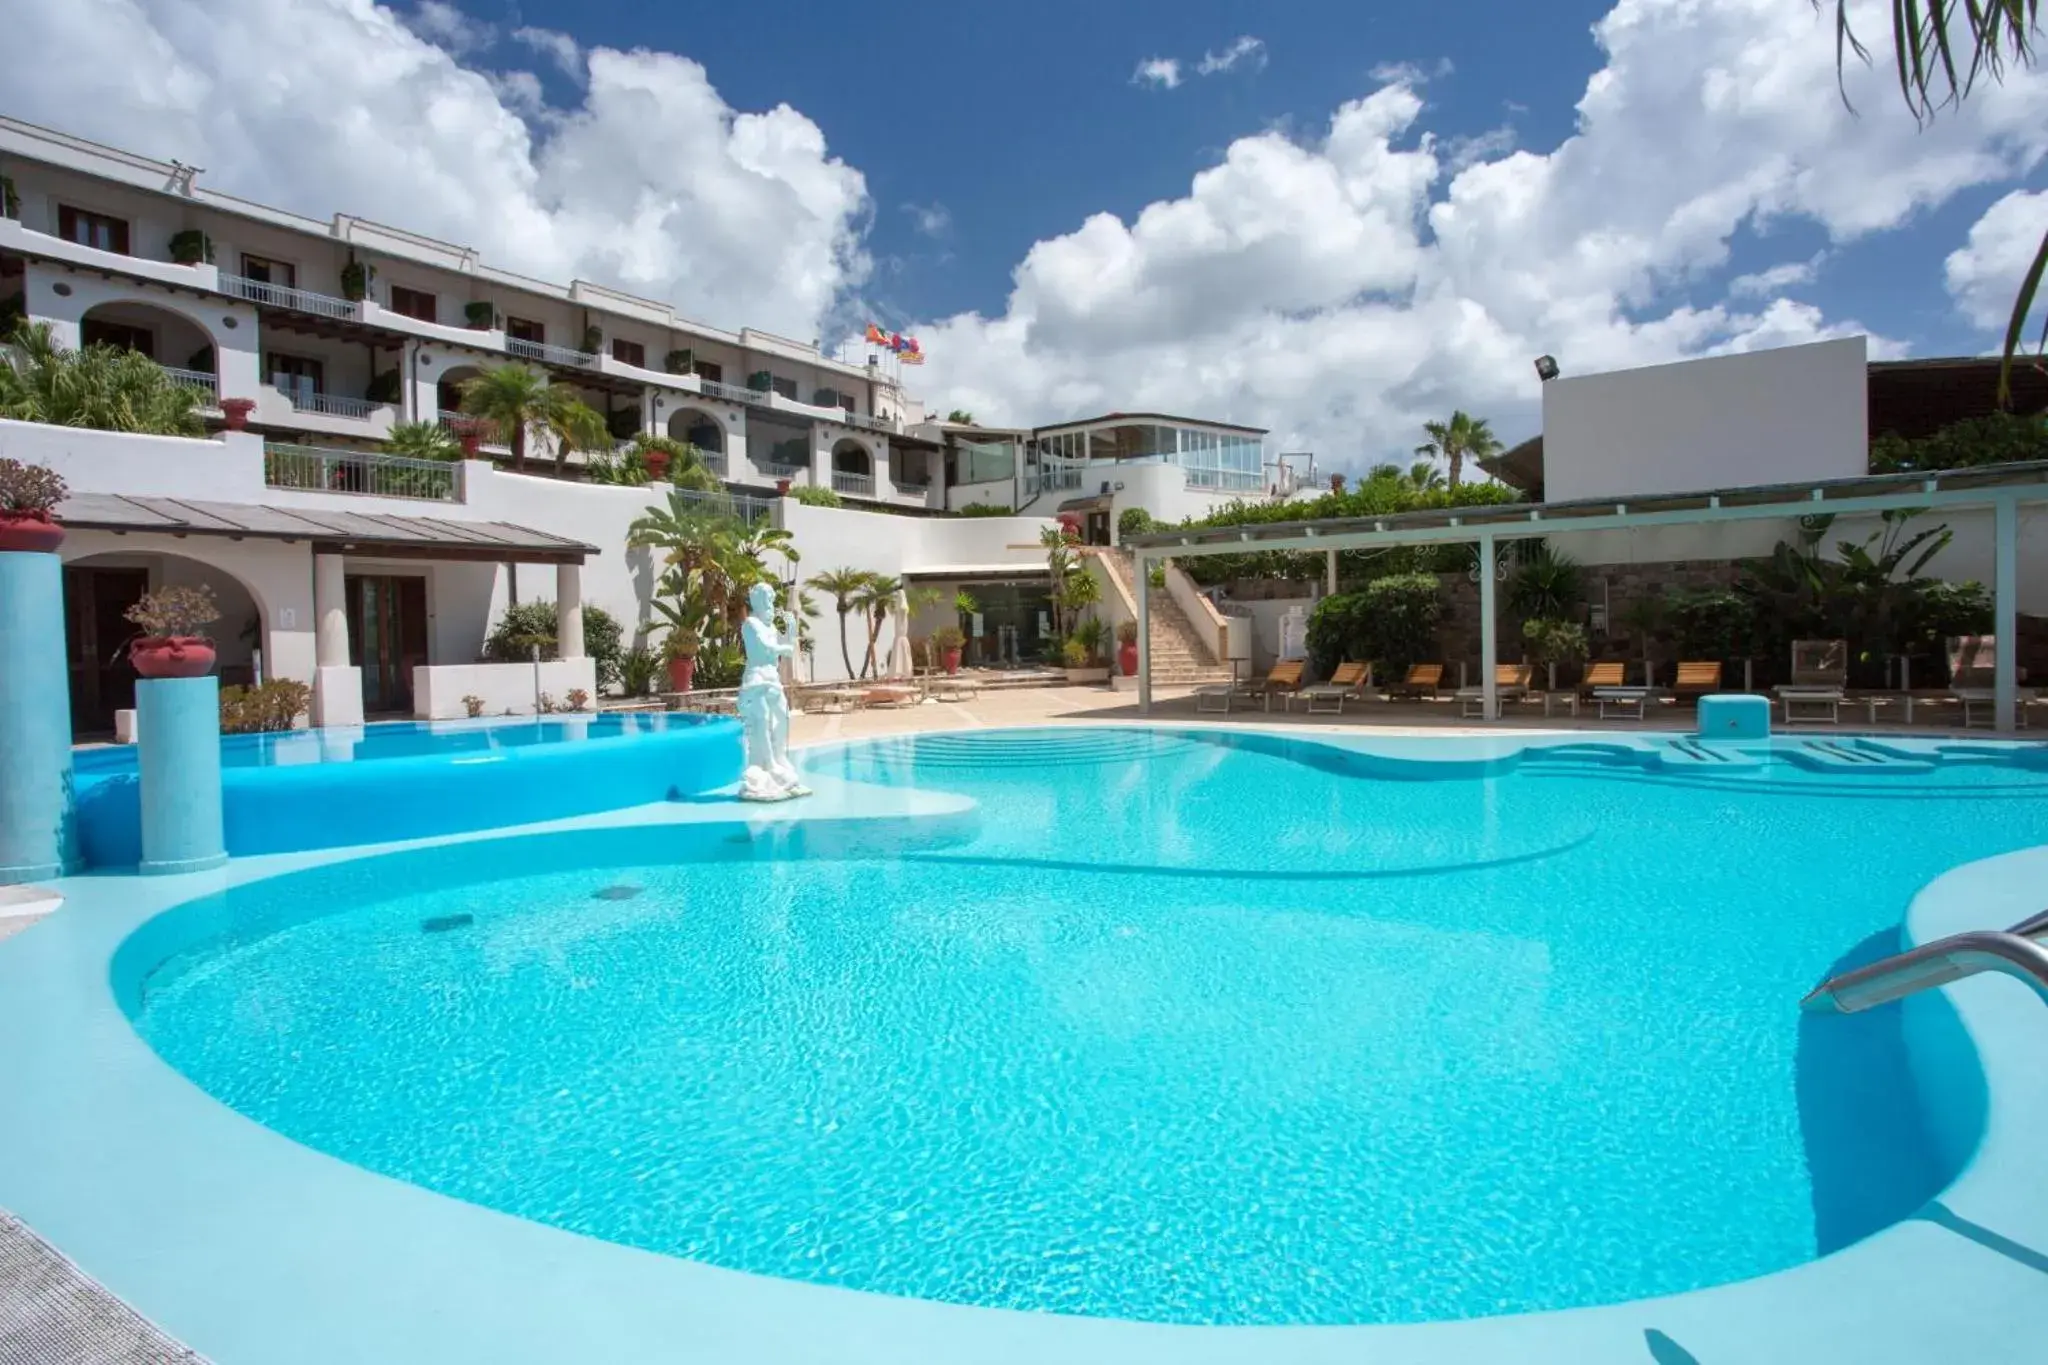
931	220
565	52
1411	73
1769	281
649	181
1341	290
1984	274
445	25
1244	51
1160	73
1460	152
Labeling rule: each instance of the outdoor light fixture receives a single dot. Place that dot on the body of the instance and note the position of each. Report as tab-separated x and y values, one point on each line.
1546	368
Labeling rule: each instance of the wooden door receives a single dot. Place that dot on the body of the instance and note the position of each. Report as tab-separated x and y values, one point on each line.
96	644
387	637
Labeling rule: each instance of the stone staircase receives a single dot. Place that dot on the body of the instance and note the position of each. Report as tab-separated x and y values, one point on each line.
1179	656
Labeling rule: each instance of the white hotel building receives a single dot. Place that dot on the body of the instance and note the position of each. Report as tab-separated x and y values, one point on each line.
353	570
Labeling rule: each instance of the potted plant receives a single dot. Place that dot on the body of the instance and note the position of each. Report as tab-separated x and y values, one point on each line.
950	641
28	494
677	362
356	278
782	488
191	246
480	315
680	651
170	645
1081	655
470	432
236	412
1127	648
593	339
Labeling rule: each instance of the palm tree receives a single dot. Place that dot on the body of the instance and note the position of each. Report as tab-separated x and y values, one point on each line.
106	388
873	601
1383	471
514	398
423	441
576	425
844	587
712	559
1423	476
1463	437
1941	48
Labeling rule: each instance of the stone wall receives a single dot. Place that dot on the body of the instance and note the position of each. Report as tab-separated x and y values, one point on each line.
1624	585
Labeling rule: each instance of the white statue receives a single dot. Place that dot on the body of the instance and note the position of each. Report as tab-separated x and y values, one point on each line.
764	710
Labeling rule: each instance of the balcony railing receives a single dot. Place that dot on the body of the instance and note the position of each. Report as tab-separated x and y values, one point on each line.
785	471
860	485
297	300
732	393
912	483
203	380
861	419
360	471
1052	478
552	355
329	404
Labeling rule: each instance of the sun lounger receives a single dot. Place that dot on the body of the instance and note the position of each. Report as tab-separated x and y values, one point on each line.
1281	682
952	688
1349	681
1421	680
1820	673
1973	674
1606	684
1697	679
1510	683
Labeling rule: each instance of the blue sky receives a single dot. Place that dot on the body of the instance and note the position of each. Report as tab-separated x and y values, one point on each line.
1339	218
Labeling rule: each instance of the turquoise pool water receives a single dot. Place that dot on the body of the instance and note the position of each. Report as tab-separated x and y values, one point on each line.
1198	1028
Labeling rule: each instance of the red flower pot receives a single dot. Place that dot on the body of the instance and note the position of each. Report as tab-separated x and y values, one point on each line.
171	656
236	411
951	659
681	672
1127	659
30	531
657	465
782	488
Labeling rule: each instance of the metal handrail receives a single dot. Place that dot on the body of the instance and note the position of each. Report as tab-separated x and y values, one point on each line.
860	485
2014	952
329	404
365	472
283	296
732	393
194	379
859	419
553	355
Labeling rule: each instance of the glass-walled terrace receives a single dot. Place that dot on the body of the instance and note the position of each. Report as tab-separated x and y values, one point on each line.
1227	461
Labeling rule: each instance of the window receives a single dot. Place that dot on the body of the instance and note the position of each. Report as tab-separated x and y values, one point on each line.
266	271
785	387
629	353
119	335
519	329
92	229
711	370
413	303
296	375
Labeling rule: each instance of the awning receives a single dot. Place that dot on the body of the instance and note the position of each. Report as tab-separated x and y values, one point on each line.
1027	570
402	537
1100	502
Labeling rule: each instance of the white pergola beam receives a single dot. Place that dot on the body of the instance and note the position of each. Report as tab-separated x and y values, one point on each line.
2005	614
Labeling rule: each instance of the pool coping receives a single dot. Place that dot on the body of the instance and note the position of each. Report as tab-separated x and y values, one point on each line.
253	1249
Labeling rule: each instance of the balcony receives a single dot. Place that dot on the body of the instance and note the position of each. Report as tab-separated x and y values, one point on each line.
785	471
867	423
203	380
360	472
549	355
733	393
859	485
295	300
331	404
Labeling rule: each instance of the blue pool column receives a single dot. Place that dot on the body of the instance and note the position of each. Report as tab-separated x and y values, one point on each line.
36	837
180	770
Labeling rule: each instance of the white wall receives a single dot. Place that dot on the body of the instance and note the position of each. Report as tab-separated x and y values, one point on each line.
1766	417
504	689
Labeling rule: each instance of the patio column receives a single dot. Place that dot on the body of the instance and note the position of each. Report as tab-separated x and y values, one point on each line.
337	685
1488	651
568	611
1143	574
1330	573
2005	613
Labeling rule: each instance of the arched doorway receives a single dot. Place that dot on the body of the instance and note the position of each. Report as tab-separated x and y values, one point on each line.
99	588
853	467
448	388
698	428
169	338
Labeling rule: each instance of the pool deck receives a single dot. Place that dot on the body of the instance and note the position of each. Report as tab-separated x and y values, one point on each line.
253	1249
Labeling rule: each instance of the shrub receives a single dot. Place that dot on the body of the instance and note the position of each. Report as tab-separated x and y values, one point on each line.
948	638
533	623
174	611
1074	654
265	708
981	509
546	703
1712	624
810	495
579	700
1995	438
1127	631
1547	641
473	704
639	667
1134	521
191	246
480	315
1545	584
384	387
1089	635
1939	611
1391	622
719	666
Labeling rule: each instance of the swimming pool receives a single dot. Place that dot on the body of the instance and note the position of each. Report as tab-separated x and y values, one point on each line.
1199	1028
332	788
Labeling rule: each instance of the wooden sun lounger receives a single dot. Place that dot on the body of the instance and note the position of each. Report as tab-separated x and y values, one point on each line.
1349	681
1285	678
1697	679
1421	680
1606	683
1510	683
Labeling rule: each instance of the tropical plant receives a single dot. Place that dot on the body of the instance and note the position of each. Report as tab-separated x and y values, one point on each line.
1090	635
423	441
712	560
265	708
105	388
686	467
30	489
964	603
1941	49
811	495
844	587
1074	654
628	468
1712	623
1549	641
1424	477
1462	438
946	639
1545	583
720	665
876	595
1994	438
960	417
1134	521
1867	593
1391	622
639	668
174	611
578	426
527	626
516	399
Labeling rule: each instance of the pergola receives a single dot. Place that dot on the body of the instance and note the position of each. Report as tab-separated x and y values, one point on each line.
2001	488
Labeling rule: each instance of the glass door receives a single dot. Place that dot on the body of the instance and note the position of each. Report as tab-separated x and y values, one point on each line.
387	637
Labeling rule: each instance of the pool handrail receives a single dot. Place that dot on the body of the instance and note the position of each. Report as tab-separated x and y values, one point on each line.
2015	952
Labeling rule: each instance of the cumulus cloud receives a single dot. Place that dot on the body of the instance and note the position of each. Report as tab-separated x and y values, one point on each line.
1984	274
1460	152
1245	51
449	27
1159	73
648	182
1343	288
565	52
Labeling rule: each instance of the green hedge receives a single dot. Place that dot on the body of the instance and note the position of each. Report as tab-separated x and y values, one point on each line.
1391	622
530	623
